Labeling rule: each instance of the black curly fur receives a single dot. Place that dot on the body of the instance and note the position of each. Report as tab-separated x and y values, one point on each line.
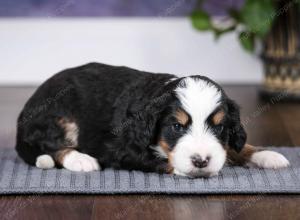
120	113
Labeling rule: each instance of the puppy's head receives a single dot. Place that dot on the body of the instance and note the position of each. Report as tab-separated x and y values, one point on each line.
197	127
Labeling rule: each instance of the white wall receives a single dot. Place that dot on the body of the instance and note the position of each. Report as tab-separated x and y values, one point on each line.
31	50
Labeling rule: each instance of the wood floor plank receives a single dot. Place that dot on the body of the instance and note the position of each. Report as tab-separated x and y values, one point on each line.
197	207
46	207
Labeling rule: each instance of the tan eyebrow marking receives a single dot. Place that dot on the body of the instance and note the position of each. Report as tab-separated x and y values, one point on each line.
218	117
182	117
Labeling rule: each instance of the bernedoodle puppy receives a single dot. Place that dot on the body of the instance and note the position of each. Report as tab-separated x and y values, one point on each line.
97	116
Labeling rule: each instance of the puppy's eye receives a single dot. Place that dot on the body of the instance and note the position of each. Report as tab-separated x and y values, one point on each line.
177	127
219	128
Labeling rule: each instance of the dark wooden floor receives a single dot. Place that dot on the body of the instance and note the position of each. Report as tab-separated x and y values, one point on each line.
267	123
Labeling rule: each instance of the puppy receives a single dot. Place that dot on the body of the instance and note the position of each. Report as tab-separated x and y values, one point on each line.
97	116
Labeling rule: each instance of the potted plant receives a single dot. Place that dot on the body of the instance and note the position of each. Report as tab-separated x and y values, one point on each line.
275	23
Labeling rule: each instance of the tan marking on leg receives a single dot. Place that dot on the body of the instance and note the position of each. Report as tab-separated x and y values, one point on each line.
170	168
218	117
243	157
166	148
164	145
182	117
71	132
60	155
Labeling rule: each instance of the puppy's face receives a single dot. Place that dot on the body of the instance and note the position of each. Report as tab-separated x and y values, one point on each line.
198	127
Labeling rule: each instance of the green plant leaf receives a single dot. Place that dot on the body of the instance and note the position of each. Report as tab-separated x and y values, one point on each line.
201	20
218	33
258	16
247	40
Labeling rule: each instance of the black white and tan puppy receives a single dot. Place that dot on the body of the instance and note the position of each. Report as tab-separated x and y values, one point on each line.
97	116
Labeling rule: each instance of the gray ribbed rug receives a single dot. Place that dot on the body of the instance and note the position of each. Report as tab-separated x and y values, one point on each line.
18	178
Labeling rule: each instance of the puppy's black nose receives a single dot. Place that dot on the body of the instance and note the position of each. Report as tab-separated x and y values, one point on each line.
198	161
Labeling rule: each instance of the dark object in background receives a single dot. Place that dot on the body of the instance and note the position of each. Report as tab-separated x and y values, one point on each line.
281	54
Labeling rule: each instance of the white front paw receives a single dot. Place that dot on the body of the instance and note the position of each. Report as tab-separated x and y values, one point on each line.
268	159
77	161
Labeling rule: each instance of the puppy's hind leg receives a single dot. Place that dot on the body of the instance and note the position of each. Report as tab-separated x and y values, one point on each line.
50	141
255	157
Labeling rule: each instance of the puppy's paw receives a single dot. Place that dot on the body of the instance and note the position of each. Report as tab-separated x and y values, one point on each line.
213	174
268	159
44	161
76	161
178	173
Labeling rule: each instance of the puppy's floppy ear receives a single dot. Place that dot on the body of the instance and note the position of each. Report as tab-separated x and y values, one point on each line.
142	127
153	112
237	134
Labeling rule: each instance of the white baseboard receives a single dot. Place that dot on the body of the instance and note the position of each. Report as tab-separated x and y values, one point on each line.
31	50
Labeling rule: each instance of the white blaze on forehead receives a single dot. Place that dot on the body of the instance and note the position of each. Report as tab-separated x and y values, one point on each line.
199	98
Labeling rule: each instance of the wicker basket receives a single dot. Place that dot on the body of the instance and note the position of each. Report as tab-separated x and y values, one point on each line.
281	54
